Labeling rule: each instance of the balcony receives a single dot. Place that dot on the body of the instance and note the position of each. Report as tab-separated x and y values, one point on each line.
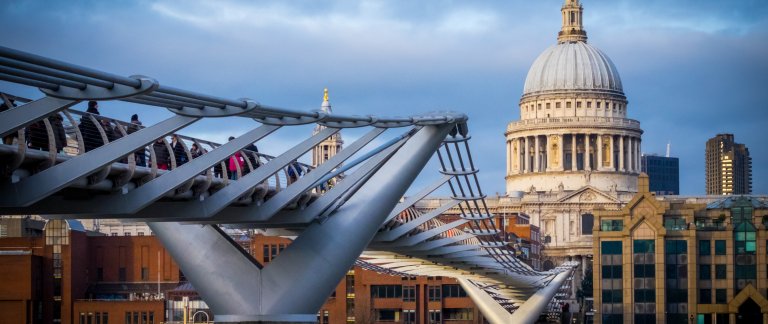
582	121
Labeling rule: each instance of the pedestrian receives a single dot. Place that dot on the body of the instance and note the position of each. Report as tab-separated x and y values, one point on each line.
139	155
252	153
294	171
196	151
57	123
37	135
88	129
178	150
235	161
162	155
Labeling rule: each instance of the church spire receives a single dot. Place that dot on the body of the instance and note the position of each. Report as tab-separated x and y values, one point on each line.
573	29
326	107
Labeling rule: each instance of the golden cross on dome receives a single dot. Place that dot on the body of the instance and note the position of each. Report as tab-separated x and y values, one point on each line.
325	94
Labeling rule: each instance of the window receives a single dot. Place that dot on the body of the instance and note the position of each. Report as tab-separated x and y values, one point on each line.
587	222
453	291
458	314
645	296
114	234
121	274
721	296
611	225
705	272
704	247
675	223
597	104
126	233
578	104
140	233
3	230
549	105
434	317
386	291
719	247
434	293
675	253
144	273
409	316
557	105
409	293
567	104
705	296
611	247
589	104
386	315
539	106
720	271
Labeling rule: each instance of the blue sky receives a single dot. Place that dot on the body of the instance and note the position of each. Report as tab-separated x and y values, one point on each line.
690	69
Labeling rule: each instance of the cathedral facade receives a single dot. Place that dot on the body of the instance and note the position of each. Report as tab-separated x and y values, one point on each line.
573	150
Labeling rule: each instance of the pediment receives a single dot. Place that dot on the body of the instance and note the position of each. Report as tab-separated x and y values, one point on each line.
588	194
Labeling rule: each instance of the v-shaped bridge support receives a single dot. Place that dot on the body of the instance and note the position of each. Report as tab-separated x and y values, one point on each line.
293	287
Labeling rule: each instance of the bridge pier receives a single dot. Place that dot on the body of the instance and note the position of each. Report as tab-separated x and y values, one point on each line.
293	287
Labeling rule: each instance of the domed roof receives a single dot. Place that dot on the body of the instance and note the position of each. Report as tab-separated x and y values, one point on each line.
572	66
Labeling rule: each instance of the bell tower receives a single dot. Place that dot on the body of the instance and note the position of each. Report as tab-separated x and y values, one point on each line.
330	146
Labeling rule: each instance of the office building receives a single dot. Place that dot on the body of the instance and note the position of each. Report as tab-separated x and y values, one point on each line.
663	173
728	166
682	260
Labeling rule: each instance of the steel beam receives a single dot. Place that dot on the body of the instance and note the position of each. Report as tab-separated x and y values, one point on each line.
24	115
307	271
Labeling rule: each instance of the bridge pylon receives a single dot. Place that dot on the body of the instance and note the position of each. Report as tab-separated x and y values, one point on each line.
293	287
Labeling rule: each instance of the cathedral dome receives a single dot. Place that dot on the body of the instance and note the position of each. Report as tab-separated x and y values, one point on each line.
572	66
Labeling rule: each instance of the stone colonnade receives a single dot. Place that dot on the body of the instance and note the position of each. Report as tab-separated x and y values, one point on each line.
566	152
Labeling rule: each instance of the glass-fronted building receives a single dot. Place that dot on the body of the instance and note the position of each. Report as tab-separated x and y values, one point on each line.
663	172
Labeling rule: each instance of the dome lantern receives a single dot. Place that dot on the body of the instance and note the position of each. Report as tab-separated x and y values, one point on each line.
573	28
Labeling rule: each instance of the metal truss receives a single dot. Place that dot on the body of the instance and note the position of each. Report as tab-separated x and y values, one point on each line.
63	163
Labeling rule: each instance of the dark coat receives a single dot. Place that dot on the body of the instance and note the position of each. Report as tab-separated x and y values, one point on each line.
161	153
57	123
89	131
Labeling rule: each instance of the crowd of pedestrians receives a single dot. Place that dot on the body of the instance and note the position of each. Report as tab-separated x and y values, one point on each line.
97	131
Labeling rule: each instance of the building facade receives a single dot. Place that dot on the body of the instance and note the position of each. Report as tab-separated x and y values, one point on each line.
728	166
573	150
70	275
679	260
663	173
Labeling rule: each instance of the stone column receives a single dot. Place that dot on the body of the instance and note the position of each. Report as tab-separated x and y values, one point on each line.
611	162
573	152
599	153
630	164
562	152
525	161
586	152
638	153
621	153
509	157
537	157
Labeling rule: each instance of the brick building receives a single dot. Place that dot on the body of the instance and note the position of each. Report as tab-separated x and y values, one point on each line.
69	275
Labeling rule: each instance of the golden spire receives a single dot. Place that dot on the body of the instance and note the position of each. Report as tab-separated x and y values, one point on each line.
573	27
325	94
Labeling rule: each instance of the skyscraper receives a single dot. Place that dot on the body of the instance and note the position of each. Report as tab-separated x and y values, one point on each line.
729	167
663	173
